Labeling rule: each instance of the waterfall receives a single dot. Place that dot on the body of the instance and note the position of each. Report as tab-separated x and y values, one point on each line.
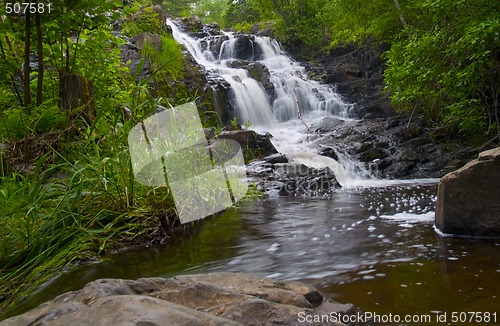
286	110
224	54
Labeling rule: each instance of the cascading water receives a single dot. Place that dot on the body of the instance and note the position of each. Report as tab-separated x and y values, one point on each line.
287	110
294	94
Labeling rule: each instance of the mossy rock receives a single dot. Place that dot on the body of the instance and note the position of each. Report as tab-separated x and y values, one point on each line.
147	19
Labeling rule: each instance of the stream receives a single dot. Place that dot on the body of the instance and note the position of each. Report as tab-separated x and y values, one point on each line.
374	247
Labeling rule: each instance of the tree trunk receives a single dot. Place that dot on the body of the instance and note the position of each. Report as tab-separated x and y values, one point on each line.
39	53
27	46
76	92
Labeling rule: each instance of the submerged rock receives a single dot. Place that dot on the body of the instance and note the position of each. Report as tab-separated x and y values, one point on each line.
468	200
205	299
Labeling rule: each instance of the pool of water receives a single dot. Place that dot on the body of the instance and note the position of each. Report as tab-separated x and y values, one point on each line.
374	247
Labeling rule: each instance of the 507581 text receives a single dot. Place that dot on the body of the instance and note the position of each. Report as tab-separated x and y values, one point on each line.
27	8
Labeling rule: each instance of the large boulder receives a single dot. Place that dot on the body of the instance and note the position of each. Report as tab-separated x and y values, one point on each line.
469	199
205	299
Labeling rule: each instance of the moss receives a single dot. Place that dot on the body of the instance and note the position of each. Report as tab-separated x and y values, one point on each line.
145	20
167	61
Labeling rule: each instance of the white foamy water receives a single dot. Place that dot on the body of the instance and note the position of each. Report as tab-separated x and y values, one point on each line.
410	218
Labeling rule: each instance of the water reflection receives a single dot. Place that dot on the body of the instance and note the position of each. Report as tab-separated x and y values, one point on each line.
373	247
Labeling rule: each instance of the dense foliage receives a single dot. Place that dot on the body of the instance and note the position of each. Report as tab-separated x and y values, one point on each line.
67	192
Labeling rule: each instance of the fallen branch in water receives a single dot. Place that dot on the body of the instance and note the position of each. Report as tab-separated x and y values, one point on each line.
299	115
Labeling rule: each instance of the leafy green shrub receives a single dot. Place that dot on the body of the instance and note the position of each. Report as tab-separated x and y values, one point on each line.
17	123
47	223
13	123
46	119
168	61
445	71
243	27
145	20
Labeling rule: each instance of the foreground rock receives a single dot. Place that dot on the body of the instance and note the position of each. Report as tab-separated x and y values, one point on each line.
468	200
205	299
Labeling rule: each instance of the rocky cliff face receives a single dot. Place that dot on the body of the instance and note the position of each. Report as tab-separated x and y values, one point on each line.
357	73
395	145
391	147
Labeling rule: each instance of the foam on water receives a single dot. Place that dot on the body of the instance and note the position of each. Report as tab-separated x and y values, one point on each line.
410	218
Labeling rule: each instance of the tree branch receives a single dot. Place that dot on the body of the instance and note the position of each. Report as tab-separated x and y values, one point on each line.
27	46
39	53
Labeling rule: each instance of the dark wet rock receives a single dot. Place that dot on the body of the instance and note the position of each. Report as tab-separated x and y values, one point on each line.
329	152
195	28
260	169
274	175
215	44
191	24
391	147
293	170
327	124
301	180
204	299
221	92
260	73
468	199
253	144
244	48
310	186
372	153
131	56
274	158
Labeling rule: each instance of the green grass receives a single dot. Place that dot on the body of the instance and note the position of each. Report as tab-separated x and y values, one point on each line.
75	198
73	211
17	123
169	60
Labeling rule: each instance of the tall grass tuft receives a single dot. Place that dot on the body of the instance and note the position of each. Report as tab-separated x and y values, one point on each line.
71	211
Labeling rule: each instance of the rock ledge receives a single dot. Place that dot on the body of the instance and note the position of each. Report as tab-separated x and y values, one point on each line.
204	299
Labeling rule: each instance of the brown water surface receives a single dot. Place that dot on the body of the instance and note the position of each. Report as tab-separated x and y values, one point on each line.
374	247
